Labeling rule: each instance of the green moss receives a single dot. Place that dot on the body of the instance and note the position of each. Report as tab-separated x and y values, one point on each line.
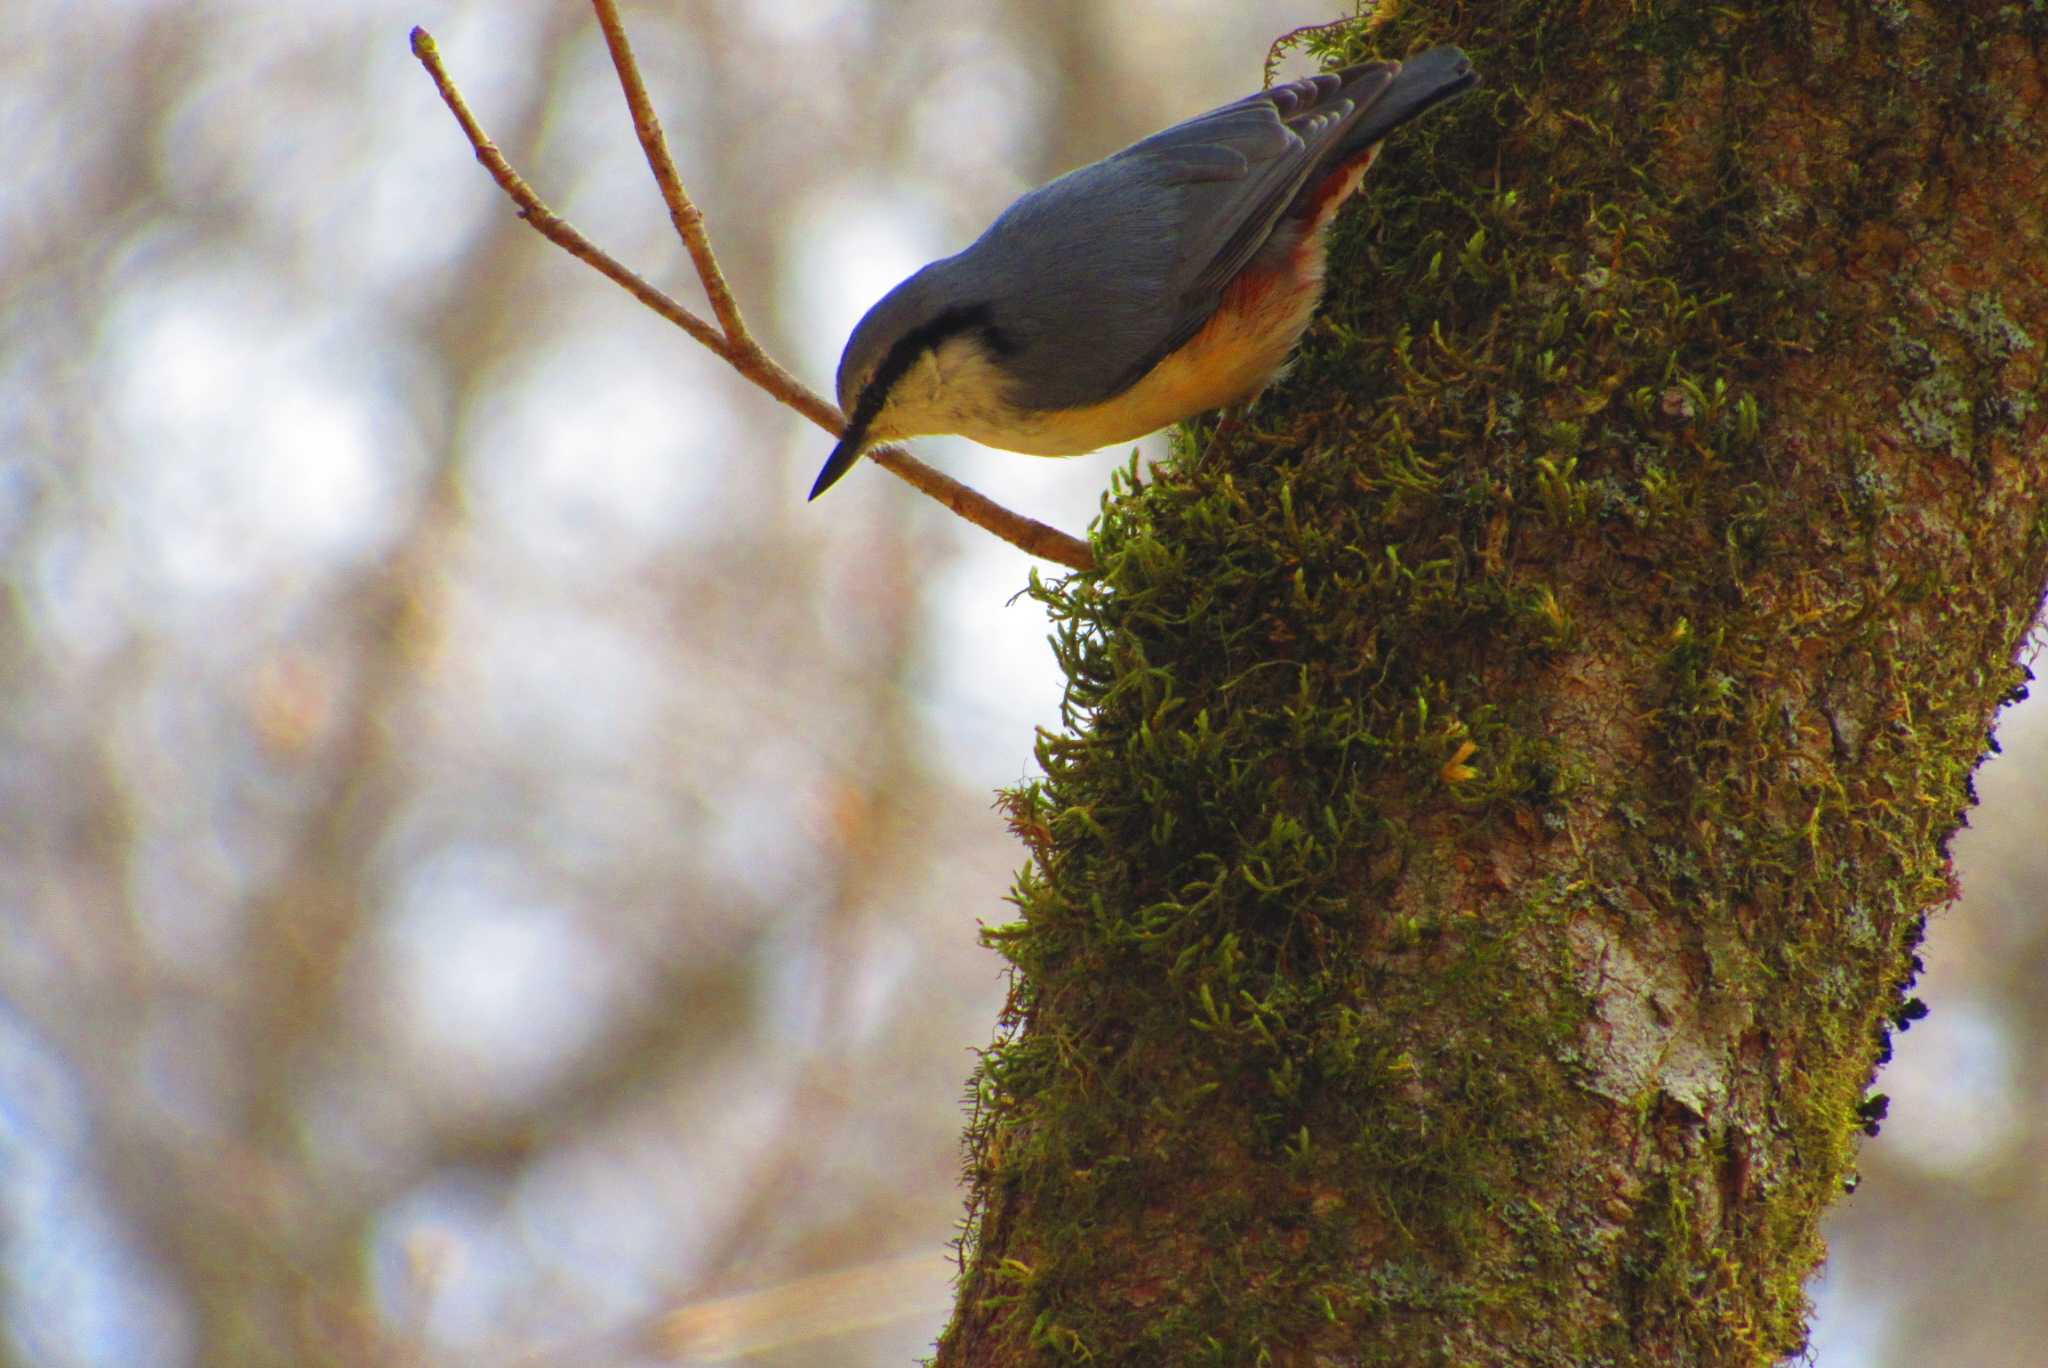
1991	336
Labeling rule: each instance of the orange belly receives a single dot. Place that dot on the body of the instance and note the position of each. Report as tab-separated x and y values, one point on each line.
1238	350
1263	314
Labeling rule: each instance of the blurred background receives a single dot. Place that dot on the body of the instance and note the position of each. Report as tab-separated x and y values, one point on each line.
487	874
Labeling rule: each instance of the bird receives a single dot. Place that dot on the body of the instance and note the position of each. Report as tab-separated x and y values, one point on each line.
1165	280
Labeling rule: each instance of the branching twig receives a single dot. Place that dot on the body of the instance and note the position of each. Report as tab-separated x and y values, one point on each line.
681	211
728	338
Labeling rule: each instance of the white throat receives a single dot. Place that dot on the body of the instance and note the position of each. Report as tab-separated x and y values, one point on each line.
957	387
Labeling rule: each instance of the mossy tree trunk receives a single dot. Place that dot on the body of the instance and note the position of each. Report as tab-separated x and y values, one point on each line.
1503	788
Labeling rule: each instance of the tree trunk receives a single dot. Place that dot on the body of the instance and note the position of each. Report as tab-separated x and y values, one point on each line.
1505	782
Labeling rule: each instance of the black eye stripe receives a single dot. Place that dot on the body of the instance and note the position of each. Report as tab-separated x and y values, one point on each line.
999	341
916	343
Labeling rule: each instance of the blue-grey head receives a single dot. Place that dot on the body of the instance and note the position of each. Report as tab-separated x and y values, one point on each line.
935	327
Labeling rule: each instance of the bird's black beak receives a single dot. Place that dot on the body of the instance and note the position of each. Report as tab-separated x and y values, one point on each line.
842	458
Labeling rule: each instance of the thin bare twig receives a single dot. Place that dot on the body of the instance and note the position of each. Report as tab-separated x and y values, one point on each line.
682	210
729	338
550	225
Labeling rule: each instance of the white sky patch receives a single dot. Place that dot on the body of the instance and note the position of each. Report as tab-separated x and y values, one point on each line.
1953	1109
991	678
792	22
757	835
588	164
594	454
47	156
421	204
493	988
579	1210
976	126
78	596
883	979
80	1288
554	679
791	981
1852	1326
445	1262
584	1214
251	442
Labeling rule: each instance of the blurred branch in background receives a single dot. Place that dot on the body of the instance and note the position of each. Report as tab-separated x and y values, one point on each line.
731	339
807	1310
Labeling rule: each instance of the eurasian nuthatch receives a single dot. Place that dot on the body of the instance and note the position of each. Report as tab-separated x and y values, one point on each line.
1168	279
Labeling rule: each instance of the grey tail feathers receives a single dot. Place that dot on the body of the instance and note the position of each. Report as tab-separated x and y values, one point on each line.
1423	82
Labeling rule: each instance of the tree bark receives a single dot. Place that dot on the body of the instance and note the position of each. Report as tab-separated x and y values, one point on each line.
1505	782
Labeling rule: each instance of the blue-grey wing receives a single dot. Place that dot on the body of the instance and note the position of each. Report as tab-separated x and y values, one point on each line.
1280	136
1097	276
